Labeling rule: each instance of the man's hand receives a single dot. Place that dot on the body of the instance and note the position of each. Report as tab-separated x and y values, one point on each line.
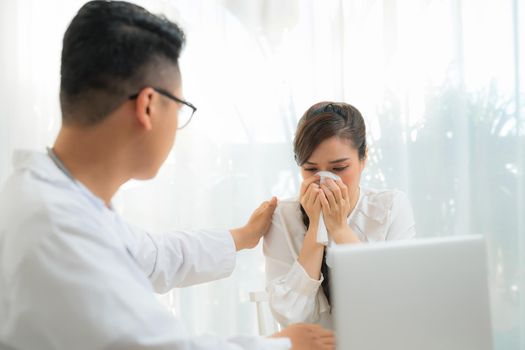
249	235
308	337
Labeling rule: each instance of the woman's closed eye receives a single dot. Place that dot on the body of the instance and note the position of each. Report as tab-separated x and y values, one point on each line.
338	169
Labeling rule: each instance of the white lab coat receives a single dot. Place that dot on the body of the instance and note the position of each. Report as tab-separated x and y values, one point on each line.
74	275
294	296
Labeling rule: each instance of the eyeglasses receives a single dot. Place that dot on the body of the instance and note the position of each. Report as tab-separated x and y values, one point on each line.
185	113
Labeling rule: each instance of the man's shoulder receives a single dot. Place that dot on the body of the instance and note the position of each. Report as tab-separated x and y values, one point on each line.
27	196
35	212
35	186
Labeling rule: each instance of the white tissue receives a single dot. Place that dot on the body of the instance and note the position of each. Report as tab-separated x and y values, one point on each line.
322	233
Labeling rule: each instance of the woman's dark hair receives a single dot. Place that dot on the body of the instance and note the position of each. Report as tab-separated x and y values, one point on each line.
320	122
110	50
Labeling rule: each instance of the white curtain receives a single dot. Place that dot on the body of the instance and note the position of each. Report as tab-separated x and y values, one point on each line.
440	83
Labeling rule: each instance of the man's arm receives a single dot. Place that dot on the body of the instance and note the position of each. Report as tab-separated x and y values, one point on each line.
183	258
74	291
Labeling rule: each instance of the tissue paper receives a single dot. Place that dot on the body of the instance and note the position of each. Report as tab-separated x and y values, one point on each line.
322	233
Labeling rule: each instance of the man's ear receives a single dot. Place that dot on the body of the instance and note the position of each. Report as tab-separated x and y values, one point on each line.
144	107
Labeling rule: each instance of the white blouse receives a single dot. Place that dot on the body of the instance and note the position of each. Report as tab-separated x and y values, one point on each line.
379	215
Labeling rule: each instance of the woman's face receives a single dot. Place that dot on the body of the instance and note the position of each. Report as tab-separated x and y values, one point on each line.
339	157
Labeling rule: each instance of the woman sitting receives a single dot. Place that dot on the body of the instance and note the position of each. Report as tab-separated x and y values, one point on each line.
330	137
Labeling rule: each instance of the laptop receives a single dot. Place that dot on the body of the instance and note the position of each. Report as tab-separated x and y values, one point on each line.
429	294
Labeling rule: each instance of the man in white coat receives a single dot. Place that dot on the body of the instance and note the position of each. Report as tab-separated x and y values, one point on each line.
73	274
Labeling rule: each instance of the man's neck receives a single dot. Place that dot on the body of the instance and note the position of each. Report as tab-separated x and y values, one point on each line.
92	157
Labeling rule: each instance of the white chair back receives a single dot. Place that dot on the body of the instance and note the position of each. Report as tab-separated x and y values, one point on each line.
266	322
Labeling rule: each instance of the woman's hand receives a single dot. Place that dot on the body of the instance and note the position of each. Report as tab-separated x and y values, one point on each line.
311	254
258	225
310	200
337	204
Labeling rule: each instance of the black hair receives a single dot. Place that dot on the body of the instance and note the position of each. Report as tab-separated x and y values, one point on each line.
110	50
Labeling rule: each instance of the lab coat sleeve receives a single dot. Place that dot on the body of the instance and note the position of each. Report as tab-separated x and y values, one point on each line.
74	291
183	258
402	224
293	296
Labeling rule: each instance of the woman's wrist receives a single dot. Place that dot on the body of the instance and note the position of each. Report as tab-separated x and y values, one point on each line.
344	235
310	238
311	257
313	225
